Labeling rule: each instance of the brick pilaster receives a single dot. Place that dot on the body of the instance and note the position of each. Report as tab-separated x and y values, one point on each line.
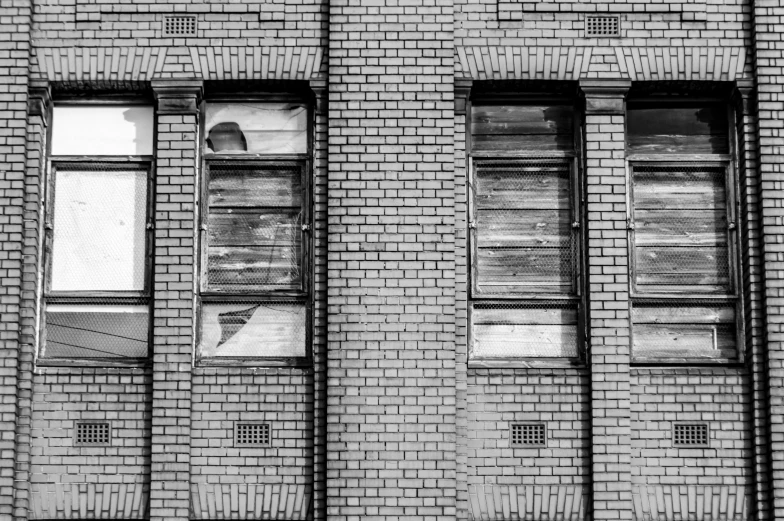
608	297
15	25
176	156
39	107
391	343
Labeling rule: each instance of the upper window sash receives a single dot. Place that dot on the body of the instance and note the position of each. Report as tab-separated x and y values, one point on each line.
102	130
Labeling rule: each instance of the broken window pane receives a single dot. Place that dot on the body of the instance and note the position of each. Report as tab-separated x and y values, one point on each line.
256	128
684	330
260	329
102	130
678	129
95	331
99	230
523	331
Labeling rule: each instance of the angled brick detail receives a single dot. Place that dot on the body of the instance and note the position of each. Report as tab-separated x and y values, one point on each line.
257	63
251	501
90	501
506	503
99	64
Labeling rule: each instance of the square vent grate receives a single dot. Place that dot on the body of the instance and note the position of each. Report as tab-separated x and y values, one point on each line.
93	433
528	434
605	25
690	434
179	26
251	434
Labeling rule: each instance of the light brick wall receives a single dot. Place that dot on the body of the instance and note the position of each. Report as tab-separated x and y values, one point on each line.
608	298
391	408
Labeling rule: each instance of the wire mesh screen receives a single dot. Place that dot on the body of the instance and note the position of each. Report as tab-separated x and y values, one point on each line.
680	235
690	434
524	237
253	329
523	330
99	222
692	329
95	331
254	225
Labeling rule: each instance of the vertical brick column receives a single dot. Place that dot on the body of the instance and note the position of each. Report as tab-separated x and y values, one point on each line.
769	68
15	22
608	297
752	284
391	349
39	106
176	161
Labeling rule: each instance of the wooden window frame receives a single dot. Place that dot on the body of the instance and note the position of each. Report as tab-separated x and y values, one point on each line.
304	295
574	158
143	297
733	298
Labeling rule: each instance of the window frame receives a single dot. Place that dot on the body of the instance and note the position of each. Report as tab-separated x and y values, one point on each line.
145	163
576	197
305	294
734	297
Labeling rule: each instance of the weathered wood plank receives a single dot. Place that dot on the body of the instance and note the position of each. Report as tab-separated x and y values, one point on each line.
682	265
698	144
680	227
255	228
686	339
518	142
253	266
522	187
672	188
257	186
542	267
524	228
532	119
701	314
499	315
681	130
503	340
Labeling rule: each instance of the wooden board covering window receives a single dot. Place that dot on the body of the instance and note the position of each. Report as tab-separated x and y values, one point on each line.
254	235
678	129
524	242
497	127
680	233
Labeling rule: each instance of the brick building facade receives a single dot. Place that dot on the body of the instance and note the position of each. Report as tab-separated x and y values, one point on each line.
400	259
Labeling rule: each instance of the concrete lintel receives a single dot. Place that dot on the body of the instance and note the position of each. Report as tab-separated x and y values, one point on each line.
178	96
604	96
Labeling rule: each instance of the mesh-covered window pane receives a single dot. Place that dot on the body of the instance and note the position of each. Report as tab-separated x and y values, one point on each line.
680	237
523	330
684	330
524	237
254	227
256	128
253	329
99	232
102	130
95	331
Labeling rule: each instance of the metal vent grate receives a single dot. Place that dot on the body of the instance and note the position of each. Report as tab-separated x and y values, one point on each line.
93	433
179	26
251	434
528	434
602	25
690	434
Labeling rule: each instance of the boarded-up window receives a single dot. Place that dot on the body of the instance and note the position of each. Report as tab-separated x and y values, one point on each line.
685	304
254	284
96	303
254	226
524	234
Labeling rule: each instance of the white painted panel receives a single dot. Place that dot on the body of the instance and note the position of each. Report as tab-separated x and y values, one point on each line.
99	231
102	130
